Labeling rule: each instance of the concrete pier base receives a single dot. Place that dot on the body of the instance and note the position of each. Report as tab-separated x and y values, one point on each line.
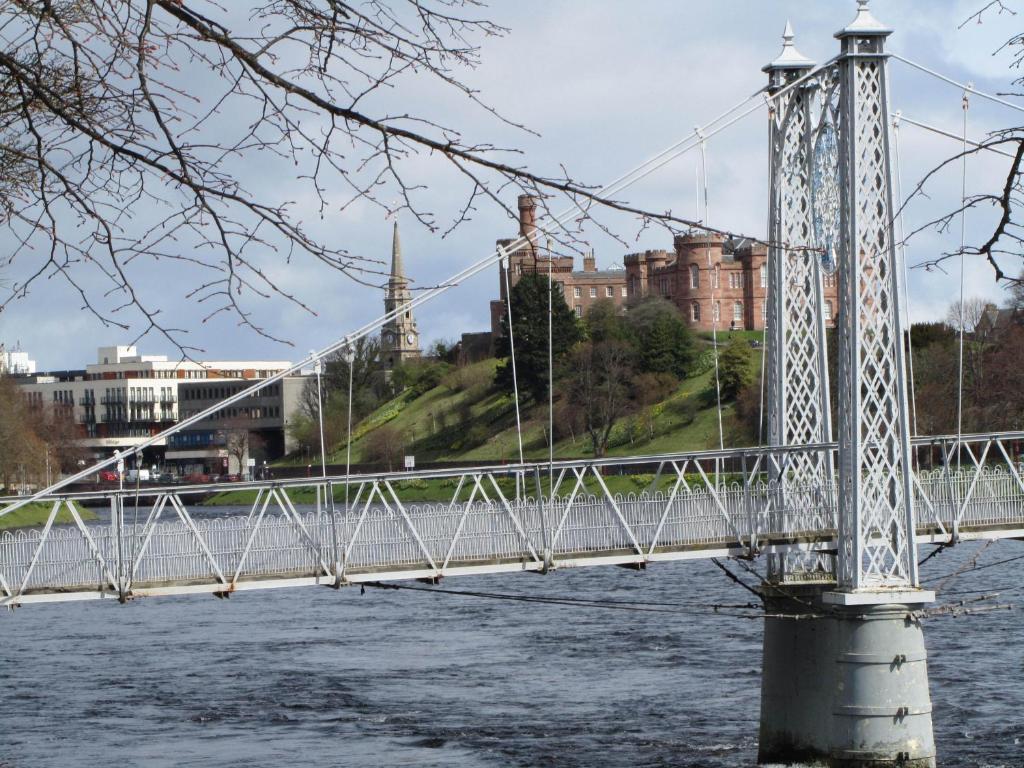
843	686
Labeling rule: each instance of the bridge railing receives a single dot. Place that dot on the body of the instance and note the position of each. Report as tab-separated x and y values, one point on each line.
487	523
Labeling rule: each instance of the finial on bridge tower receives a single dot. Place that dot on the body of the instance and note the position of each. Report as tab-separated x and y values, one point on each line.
790	57
864	23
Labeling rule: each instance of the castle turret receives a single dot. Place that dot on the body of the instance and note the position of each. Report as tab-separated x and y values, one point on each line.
528	218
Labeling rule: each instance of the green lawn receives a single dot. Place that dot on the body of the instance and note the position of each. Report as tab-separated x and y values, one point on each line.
36	514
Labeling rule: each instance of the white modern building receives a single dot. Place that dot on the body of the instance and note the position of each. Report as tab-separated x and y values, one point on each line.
15	362
124	397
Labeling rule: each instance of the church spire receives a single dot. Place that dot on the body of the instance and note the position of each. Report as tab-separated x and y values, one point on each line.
399	337
397	269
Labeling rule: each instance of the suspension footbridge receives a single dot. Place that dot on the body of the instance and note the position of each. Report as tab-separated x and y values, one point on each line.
838	519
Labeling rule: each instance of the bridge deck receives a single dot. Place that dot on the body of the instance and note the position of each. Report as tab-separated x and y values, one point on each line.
379	537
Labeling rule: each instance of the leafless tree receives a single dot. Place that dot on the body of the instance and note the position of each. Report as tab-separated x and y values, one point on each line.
599	386
973	311
1002	248
384	446
133	132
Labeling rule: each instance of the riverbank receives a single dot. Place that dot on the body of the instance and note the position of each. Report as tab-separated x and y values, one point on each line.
36	514
441	490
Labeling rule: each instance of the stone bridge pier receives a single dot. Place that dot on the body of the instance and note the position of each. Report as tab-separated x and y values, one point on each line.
843	686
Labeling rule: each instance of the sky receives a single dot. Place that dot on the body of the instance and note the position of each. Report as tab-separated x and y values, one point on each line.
605	85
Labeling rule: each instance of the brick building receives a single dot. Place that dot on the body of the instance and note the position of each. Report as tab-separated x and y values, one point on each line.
581	288
713	281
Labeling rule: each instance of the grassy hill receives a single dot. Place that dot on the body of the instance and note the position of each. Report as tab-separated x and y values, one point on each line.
464	419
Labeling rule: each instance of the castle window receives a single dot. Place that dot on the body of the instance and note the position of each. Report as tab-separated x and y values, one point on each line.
579	310
695	312
828	311
663	283
764	312
609	291
737	312
593	292
576	292
716	312
623	291
716	275
519	268
764	276
694	276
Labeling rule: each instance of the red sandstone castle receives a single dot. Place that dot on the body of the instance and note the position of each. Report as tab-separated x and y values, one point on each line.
715	282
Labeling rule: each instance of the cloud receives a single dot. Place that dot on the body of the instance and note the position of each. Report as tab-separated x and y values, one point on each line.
606	87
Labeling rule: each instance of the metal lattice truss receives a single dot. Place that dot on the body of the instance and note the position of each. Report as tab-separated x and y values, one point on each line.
169	545
876	510
797	372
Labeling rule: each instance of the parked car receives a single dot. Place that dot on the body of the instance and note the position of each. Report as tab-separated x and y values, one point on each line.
236	478
197	477
108	476
167	478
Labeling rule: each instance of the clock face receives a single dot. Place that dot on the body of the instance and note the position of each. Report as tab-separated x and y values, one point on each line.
410	338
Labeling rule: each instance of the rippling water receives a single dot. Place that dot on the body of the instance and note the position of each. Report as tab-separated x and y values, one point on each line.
385	678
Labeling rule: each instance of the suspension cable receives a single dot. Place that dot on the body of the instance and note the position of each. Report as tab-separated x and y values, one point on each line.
963	239
967	87
906	276
551	382
625	180
506	266
950	135
714	322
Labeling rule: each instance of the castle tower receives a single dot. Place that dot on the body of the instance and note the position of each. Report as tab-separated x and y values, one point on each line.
399	339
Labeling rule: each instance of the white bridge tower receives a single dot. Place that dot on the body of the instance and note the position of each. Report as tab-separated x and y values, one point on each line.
845	679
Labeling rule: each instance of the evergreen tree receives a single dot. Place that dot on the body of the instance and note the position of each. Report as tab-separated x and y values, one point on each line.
530	325
735	367
663	342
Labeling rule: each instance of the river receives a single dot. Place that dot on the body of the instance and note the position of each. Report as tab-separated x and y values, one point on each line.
407	678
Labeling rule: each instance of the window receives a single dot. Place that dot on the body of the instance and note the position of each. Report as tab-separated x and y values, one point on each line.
694	276
716	276
764	312
737	312
735	280
609	292
663	285
828	311
623	291
579	310
695	312
764	276
593	292
716	312
576	292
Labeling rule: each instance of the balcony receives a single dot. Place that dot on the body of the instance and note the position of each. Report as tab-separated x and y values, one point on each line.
168	397
87	401
112	400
